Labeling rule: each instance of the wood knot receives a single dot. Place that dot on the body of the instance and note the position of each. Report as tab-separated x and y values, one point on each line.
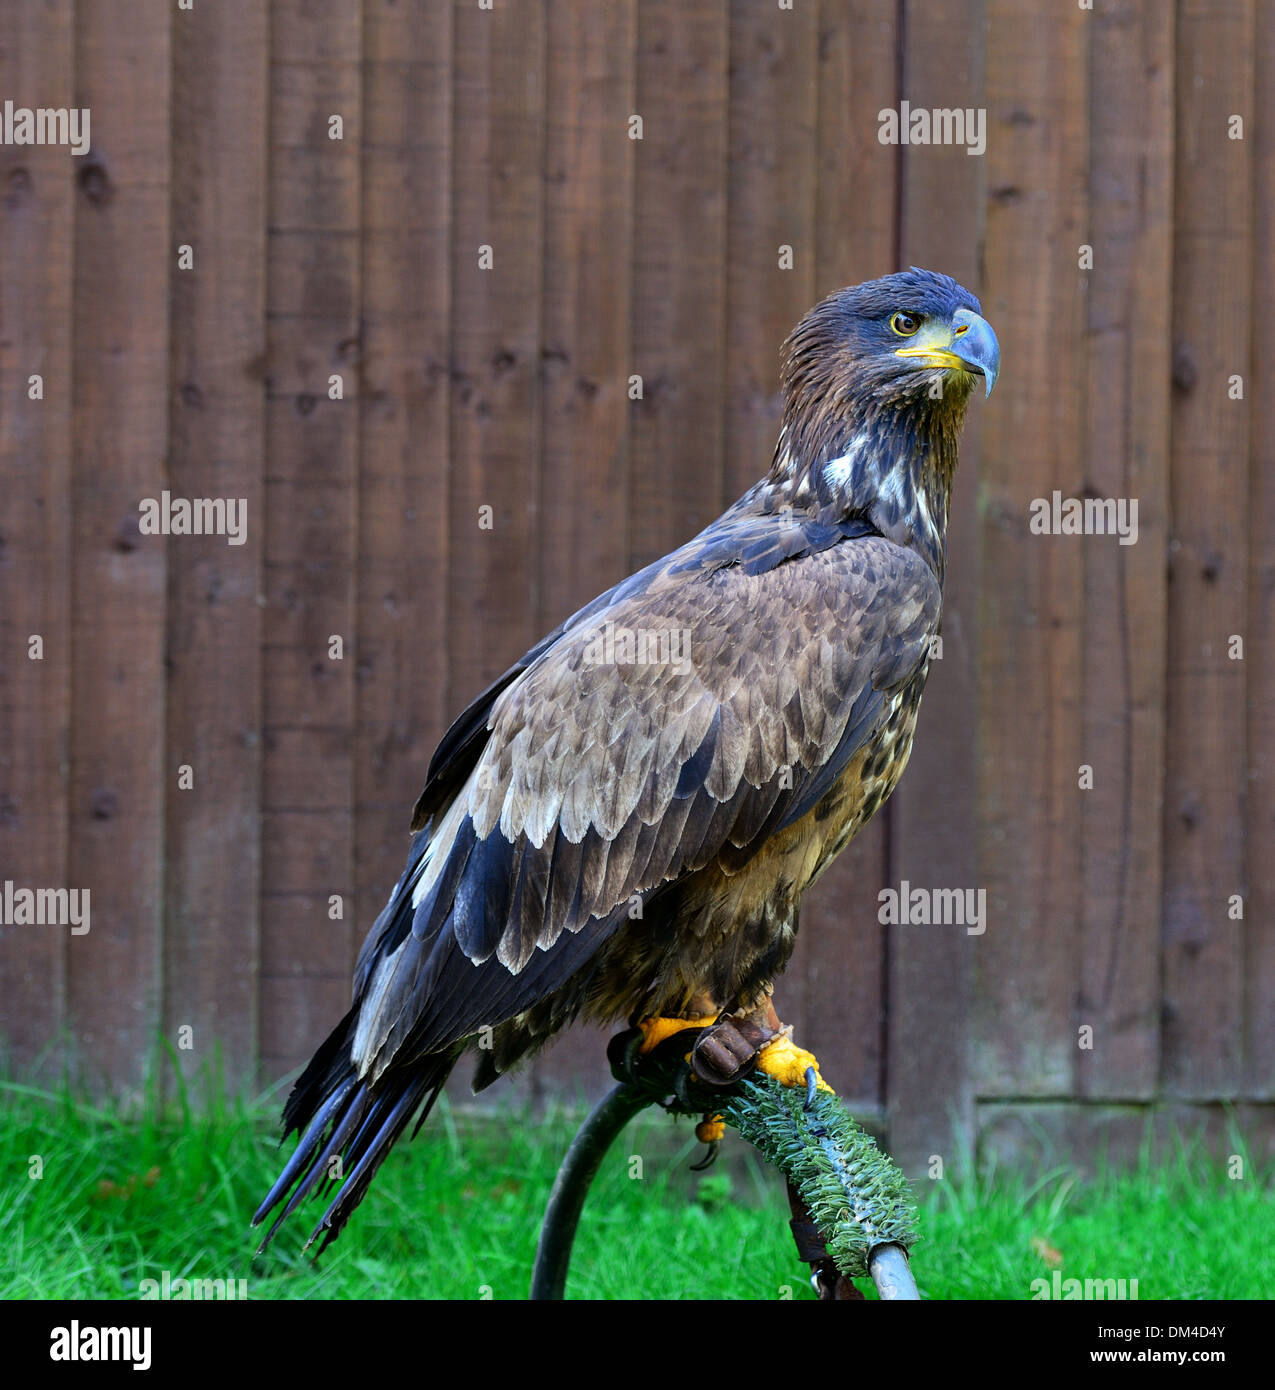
18	187
95	182
1185	371
128	534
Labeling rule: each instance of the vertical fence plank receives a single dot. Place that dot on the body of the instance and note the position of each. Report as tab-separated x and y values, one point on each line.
311	524
772	151
581	539
1125	451
404	467
1259	827
496	338
123	258
857	189
1205	773
584	405
497	242
928	1000
212	850
679	273
1032	595
36	191
838	968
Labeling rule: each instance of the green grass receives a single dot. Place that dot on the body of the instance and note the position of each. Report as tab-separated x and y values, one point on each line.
126	1195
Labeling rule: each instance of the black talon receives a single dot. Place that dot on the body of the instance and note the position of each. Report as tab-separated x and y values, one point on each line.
709	1158
622	1053
682	1082
812	1086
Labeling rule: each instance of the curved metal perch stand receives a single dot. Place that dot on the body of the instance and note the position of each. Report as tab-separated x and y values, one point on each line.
887	1262
571	1187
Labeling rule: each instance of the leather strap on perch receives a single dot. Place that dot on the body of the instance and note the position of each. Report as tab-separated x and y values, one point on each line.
727	1051
830	1284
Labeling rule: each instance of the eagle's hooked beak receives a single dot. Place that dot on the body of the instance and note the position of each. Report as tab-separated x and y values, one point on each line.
967	344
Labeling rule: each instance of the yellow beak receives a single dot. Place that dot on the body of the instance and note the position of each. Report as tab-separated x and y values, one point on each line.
967	344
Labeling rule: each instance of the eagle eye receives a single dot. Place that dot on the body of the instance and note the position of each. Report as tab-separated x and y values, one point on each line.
905	324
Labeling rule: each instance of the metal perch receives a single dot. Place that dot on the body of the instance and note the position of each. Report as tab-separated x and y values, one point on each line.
571	1187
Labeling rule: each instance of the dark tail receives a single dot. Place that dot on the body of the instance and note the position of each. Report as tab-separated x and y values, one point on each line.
337	1113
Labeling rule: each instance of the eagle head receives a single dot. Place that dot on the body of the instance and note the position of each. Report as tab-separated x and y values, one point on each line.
876	380
905	339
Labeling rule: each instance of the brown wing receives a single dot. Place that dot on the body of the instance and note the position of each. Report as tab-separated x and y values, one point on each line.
604	775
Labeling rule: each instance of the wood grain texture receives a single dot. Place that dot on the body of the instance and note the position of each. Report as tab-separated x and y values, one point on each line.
124	256
497	203
928	1000
36	209
676	442
217	449
582	519
772	141
1208	573
1032	586
311	533
1259	827
1125	450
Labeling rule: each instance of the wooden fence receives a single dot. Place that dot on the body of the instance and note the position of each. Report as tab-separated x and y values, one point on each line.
266	281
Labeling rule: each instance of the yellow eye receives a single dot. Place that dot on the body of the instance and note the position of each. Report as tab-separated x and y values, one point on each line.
905	324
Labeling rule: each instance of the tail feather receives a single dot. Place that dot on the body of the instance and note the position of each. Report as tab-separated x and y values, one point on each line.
304	1152
335	1111
329	1065
315	1166
376	1147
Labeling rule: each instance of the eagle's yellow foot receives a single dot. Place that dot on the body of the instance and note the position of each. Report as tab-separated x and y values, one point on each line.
789	1064
710	1129
655	1030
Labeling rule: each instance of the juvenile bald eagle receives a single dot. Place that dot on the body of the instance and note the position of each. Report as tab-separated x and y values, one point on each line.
622	826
